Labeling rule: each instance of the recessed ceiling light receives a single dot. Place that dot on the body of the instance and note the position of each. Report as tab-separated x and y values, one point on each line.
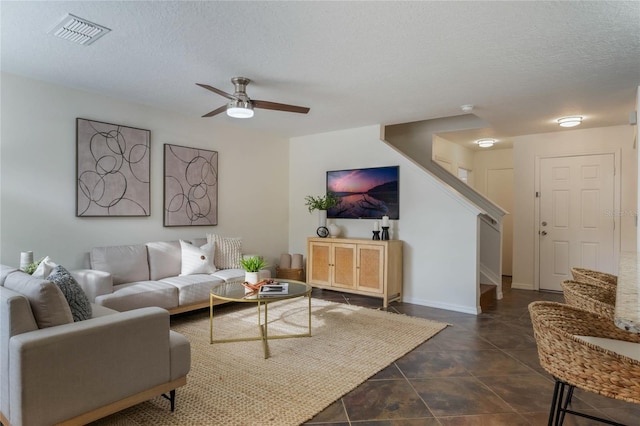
486	142
78	30
571	121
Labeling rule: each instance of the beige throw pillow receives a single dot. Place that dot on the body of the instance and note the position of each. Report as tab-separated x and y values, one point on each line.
228	251
197	260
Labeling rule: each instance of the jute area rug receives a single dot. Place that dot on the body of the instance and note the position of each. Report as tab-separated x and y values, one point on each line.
232	383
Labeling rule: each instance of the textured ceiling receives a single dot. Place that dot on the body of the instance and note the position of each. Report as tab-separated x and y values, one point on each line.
522	64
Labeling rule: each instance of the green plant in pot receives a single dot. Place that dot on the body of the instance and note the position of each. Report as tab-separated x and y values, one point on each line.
252	265
322	203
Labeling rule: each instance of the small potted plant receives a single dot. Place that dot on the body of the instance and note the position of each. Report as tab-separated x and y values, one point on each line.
321	203
252	265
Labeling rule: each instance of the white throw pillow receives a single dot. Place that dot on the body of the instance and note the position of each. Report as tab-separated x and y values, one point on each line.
197	260
228	251
45	268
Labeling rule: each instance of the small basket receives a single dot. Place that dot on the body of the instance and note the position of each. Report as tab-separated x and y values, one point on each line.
593	298
590	276
290	274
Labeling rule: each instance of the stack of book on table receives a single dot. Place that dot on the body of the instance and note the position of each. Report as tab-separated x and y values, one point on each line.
274	289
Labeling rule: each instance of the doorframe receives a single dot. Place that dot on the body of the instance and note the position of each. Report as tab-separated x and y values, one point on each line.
617	181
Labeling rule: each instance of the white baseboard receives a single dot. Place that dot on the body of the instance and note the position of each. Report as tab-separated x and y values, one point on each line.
447	306
522	286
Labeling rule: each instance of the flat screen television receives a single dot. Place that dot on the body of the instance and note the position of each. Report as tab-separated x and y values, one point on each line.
368	193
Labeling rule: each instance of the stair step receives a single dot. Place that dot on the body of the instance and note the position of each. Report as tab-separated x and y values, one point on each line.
487	295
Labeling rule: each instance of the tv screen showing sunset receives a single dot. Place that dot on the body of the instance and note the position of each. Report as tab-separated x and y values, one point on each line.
365	193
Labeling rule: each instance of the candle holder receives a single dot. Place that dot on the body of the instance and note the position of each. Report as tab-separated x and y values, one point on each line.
376	235
385	232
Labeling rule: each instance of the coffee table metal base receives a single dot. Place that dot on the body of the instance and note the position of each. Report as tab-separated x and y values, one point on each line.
263	326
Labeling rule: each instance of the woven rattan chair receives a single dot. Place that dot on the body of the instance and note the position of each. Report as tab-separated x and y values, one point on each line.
594	277
574	362
593	298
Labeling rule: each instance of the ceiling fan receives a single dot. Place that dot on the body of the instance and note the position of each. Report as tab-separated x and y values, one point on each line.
241	106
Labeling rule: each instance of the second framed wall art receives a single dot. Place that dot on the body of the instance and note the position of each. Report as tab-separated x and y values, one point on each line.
190	186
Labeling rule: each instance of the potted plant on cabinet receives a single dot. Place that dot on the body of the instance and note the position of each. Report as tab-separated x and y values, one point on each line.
252	266
322	203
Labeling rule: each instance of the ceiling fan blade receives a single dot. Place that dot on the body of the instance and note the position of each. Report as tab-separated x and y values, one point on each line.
218	91
279	107
216	111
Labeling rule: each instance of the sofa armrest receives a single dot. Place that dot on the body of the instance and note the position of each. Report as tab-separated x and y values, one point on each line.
58	372
94	283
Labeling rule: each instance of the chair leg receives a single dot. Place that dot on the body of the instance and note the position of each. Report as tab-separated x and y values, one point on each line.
567	401
172	399
560	404
554	402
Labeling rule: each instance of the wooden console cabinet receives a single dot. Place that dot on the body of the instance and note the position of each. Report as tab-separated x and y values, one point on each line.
368	267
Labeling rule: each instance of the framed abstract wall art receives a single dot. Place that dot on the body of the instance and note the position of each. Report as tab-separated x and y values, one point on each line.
112	170
190	186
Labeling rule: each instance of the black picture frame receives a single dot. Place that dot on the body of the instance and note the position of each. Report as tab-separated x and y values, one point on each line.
365	193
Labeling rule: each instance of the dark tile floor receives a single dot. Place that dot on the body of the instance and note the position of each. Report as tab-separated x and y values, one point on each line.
482	370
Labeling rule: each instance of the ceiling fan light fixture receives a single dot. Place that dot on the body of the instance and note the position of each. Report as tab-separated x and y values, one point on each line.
485	143
239	109
570	121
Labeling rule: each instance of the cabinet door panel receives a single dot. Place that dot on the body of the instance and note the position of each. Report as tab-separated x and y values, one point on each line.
371	268
319	264
344	265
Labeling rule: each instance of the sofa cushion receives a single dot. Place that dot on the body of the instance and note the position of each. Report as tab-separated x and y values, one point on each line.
98	311
126	297
76	298
49	306
4	272
197	260
126	264
199	241
232	274
228	251
193	288
165	259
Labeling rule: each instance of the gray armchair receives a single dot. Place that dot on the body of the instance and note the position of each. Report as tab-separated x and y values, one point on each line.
77	372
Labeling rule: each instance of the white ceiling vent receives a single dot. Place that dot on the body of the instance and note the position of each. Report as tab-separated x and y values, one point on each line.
78	30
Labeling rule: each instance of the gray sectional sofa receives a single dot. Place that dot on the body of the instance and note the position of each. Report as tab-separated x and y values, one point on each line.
152	274
54	370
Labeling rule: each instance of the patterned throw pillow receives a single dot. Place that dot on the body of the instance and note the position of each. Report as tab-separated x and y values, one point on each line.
76	297
197	260
228	251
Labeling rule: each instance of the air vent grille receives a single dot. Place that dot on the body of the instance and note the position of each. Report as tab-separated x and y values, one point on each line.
78	30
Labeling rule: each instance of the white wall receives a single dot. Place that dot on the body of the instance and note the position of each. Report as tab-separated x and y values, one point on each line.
617	139
37	176
454	154
486	165
439	256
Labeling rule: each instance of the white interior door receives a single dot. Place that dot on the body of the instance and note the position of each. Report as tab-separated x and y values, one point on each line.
500	191
575	230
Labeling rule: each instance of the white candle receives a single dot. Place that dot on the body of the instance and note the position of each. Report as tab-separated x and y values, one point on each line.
376	226
385	221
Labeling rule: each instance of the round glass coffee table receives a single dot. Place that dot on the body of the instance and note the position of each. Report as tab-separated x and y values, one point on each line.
234	291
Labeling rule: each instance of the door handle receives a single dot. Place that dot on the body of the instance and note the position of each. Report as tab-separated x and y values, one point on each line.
543	233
